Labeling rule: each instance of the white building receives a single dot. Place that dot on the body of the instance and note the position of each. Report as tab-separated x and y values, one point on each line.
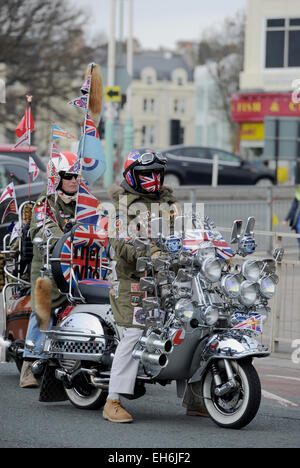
271	65
163	95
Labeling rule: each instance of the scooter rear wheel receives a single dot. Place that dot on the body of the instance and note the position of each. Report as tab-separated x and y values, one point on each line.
85	396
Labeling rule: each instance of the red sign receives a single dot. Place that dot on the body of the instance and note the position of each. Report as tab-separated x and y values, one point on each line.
255	107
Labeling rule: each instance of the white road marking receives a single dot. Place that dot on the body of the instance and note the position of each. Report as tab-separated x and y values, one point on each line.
283	377
278	399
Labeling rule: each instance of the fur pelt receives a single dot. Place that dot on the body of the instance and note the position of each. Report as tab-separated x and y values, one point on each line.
43	290
96	94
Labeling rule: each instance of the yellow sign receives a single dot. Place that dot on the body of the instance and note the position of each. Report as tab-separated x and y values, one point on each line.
252	131
112	93
282	174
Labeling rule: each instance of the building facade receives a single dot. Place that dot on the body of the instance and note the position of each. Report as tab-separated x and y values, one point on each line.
265	107
163	95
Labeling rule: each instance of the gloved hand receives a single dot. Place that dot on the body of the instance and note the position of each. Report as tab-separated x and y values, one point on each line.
68	226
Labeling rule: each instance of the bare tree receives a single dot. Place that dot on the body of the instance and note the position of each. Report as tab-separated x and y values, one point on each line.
44	50
223	52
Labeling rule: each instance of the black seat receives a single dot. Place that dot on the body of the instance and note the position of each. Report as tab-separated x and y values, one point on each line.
95	291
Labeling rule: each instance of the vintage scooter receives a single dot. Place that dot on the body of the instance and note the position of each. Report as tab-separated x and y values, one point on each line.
17	255
201	314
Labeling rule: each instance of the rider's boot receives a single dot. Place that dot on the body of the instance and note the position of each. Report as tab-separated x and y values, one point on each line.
114	411
27	379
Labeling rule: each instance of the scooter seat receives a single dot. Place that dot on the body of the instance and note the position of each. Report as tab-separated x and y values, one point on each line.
95	291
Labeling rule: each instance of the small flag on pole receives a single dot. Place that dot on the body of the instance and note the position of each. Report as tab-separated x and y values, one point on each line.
8	192
80	102
33	168
58	132
10	209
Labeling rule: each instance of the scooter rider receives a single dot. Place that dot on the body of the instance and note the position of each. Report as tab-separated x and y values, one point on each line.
140	190
62	206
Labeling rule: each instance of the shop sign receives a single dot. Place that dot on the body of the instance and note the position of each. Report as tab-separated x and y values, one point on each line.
255	107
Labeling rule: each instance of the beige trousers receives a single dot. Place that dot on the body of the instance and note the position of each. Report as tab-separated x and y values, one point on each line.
124	368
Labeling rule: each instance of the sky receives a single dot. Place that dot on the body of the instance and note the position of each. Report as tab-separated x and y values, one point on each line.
162	22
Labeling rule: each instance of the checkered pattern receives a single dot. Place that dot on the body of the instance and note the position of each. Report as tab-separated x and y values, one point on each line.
77	347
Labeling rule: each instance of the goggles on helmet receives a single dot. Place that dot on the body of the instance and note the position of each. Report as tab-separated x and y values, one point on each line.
149	158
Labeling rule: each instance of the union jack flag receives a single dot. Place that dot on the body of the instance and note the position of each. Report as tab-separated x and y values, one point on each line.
90	236
90	127
88	207
195	238
151	182
253	323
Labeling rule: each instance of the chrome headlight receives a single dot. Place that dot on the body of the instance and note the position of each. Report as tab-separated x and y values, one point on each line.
231	285
184	310
248	294
267	286
212	269
211	315
251	270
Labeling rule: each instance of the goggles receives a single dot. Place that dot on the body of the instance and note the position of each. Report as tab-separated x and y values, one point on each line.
149	158
69	176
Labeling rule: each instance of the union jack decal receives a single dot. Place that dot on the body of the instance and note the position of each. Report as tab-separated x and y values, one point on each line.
151	182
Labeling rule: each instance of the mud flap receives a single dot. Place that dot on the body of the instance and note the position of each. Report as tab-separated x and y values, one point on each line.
51	388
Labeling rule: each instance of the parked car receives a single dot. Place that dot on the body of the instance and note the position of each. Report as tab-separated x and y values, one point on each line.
192	165
15	170
23	152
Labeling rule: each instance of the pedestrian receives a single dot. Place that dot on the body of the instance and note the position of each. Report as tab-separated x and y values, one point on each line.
293	217
62	206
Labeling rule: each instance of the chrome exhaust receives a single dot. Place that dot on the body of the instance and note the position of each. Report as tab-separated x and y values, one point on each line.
153	343
160	360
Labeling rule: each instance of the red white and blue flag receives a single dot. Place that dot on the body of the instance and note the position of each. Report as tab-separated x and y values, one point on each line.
90	127
88	235
86	87
8	192
253	323
80	102
150	182
88	208
58	132
33	168
194	239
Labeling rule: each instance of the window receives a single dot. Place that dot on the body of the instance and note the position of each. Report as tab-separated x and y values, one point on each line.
228	157
149	105
148	135
179	106
282	43
193	152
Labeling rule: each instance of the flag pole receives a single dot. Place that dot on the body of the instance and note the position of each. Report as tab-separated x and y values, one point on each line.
28	126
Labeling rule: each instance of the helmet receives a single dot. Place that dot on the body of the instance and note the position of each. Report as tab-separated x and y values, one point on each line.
62	163
145	172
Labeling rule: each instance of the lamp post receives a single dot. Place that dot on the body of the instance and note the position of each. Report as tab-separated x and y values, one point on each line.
109	124
128	127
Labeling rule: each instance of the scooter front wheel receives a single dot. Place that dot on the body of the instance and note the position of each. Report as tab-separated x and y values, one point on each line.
85	396
239	406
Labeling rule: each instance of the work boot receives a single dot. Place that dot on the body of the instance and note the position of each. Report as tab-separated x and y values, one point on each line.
197	412
27	379
113	411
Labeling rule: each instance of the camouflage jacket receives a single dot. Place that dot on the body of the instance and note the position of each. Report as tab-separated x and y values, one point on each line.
132	211
63	212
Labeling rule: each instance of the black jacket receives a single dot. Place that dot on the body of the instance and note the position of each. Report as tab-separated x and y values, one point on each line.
293	214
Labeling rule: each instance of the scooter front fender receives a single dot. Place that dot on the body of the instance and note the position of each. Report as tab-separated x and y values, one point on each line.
227	346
